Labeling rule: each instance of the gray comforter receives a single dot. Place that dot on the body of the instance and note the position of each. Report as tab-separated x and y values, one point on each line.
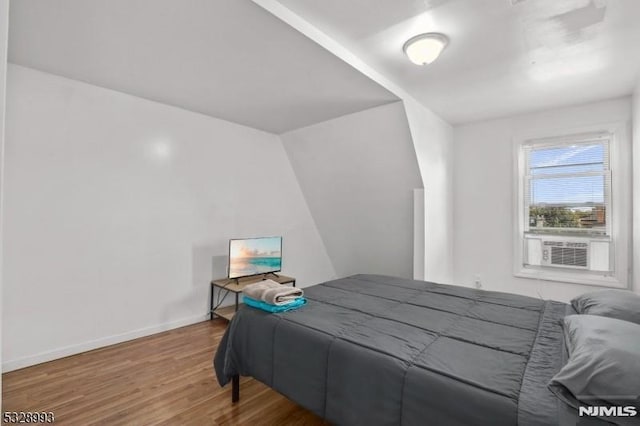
376	350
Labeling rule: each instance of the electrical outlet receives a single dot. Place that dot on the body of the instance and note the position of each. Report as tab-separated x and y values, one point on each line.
477	281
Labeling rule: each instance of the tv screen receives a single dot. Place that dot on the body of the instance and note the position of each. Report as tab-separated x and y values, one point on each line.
254	256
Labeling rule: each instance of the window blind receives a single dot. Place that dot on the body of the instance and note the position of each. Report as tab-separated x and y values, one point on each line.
567	187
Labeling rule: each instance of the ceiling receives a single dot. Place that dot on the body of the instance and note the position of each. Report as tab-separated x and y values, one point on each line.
224	58
505	56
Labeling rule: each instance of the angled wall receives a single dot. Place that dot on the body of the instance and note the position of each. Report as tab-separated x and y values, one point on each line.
432	140
358	173
433	144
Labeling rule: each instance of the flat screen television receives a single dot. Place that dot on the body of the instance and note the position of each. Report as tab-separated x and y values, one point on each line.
254	256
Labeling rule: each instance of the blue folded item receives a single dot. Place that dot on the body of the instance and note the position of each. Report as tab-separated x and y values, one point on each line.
259	304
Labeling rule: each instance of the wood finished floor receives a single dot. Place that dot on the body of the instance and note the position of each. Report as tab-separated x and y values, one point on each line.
162	379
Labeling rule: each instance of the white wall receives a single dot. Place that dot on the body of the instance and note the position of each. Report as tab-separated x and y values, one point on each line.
115	206
4	34
483	188
433	144
358	173
636	188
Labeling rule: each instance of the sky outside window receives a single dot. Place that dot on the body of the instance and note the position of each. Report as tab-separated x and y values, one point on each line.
568	161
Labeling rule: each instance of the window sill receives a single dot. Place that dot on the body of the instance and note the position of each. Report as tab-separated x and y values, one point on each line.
571	277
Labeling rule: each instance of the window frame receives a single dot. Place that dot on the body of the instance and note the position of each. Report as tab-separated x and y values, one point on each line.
618	215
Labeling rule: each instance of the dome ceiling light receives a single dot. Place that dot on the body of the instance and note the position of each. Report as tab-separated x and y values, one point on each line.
425	48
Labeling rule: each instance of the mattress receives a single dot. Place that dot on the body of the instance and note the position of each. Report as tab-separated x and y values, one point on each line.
378	350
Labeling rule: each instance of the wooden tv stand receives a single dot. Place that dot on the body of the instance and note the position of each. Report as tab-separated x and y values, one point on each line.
236	285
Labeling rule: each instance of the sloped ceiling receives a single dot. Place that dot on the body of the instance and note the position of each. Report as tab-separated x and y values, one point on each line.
224	58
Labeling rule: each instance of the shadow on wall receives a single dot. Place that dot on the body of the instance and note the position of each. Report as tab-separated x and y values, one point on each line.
206	264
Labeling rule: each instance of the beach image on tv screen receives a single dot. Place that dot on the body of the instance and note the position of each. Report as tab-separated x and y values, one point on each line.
254	256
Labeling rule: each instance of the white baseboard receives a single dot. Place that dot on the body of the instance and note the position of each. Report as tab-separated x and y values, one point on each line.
27	361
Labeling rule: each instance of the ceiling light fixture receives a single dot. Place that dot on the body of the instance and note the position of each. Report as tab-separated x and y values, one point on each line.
425	48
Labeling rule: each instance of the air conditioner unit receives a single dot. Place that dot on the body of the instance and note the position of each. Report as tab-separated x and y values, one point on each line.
591	253
565	254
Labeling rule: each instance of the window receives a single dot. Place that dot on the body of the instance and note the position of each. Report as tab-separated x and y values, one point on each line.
567	225
568	188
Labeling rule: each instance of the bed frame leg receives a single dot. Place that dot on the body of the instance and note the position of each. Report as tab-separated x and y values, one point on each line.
235	388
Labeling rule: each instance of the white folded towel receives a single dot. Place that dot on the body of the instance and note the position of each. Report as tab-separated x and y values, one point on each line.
272	292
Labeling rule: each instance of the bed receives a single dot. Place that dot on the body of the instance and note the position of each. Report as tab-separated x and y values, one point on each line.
377	350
